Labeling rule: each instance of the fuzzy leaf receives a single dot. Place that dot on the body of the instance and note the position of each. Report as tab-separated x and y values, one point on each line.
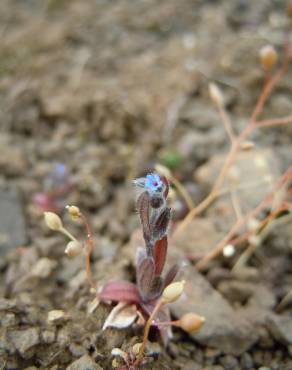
119	291
140	255
171	274
121	316
145	274
161	223
156	287
143	205
159	254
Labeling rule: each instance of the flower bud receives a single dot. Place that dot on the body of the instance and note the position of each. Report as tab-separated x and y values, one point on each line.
191	322
74	212
53	221
173	291
216	94
73	248
268	57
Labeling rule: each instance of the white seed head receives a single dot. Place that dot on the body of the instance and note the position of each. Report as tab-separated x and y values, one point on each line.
73	248
53	221
228	250
253	224
173	291
74	212
268	57
216	94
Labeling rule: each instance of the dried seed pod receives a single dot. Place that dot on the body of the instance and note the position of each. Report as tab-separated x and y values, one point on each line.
173	291
74	212
73	248
216	94
53	221
190	322
268	57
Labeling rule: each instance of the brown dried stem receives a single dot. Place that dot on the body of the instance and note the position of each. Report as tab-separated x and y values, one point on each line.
253	124
89	249
239	223
147	327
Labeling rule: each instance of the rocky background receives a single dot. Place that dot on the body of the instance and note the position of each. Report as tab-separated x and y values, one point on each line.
104	90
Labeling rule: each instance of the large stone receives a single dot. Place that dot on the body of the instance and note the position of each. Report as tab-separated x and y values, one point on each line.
84	363
281	328
23	340
249	179
12	223
224	329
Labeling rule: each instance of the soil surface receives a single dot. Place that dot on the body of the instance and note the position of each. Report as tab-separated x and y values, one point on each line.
95	94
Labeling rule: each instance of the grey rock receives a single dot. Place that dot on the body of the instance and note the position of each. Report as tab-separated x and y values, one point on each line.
12	222
281	328
223	329
23	340
251	177
84	363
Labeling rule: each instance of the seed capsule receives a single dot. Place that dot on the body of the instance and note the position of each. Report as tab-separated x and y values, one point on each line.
268	57
53	221
173	291
191	322
73	248
74	212
216	94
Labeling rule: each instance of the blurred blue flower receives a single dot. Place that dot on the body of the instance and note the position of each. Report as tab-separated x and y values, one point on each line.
153	183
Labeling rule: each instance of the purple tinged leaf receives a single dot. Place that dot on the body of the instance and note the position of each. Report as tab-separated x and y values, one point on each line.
159	254
145	274
156	288
161	223
140	255
171	274
143	205
119	291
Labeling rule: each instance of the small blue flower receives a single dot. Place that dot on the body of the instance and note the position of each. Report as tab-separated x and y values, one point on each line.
153	183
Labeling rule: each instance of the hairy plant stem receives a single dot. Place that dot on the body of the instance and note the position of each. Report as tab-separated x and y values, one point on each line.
148	324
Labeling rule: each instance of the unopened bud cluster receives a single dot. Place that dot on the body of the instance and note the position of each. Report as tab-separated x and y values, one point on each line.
53	221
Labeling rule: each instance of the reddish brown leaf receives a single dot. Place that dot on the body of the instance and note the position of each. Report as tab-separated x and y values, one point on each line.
159	254
145	274
161	223
119	291
143	205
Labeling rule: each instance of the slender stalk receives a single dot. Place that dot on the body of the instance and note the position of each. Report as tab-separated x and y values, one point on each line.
147	328
89	250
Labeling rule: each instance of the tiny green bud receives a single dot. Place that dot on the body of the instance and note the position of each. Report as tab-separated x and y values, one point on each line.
53	221
73	248
173	291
